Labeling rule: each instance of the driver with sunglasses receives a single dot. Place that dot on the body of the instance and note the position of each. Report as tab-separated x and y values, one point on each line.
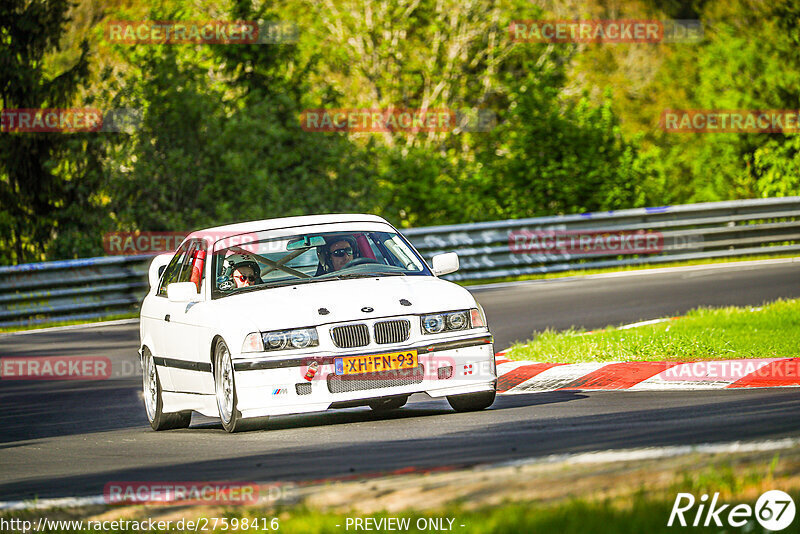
338	252
246	271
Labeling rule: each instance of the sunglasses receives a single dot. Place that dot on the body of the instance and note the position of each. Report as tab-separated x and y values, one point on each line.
250	278
339	252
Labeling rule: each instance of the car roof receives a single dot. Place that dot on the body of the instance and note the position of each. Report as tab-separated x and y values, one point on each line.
288	222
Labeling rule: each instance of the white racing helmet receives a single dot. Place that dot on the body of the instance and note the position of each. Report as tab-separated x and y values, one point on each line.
232	263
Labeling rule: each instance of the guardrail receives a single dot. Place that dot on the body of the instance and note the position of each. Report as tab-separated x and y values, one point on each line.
103	287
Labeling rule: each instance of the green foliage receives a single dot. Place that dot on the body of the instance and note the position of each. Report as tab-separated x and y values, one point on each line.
159	174
37	169
220	138
556	155
777	164
747	61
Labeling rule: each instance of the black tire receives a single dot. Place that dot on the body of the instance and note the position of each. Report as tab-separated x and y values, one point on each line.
153	405
388	403
227	399
472	402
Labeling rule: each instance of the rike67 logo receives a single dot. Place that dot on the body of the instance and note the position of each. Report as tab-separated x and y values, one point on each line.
774	510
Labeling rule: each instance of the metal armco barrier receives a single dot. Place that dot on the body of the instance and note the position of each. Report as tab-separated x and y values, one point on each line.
72	289
102	287
689	231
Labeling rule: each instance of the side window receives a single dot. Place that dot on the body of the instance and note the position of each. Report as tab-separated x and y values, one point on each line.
186	264
195	258
173	270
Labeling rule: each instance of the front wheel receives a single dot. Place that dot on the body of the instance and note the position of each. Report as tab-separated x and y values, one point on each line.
227	400
153	404
472	402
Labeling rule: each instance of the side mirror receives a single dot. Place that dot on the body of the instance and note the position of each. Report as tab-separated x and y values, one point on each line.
182	292
445	263
157	267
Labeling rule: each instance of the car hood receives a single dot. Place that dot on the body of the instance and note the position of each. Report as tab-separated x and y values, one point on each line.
345	300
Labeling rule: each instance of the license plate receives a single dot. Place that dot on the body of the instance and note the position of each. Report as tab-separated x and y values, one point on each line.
352	365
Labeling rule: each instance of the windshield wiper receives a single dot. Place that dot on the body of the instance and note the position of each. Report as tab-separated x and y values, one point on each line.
247	289
366	275
283	283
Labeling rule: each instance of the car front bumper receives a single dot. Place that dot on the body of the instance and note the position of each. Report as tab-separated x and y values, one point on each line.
277	386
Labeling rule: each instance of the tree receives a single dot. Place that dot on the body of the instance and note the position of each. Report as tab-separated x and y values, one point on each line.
221	139
553	154
423	54
776	164
35	168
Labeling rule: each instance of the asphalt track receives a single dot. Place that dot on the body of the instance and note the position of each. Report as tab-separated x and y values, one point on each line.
63	438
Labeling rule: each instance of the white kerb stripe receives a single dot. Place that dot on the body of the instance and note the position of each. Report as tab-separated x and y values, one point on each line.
507	367
556	377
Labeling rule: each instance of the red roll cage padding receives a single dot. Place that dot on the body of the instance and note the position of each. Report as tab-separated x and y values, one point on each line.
197	267
364	248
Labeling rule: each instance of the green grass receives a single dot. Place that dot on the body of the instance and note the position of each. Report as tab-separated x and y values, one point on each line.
772	331
726	477
585	272
129	315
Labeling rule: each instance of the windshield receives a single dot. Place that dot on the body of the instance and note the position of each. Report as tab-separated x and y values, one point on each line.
257	261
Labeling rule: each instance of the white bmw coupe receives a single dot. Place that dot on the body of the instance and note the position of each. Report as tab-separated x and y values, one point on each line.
304	314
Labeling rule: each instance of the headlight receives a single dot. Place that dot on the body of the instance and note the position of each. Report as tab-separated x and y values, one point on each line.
300	338
433	324
275	340
457	321
452	321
